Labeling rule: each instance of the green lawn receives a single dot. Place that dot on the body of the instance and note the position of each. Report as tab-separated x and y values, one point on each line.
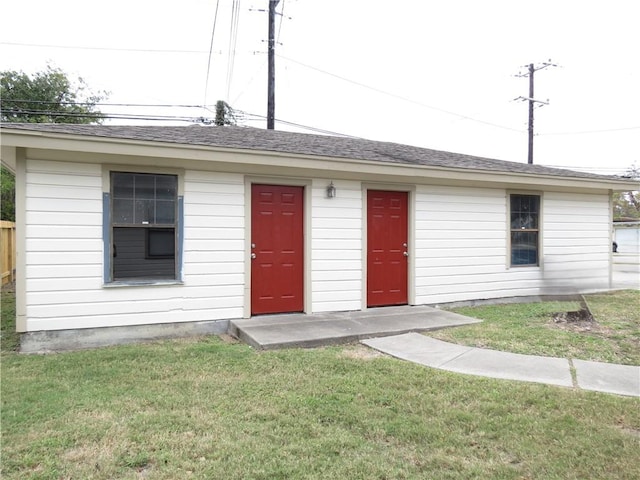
614	337
202	409
9	339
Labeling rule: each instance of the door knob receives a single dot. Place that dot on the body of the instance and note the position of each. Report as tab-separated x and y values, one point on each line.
406	254
253	255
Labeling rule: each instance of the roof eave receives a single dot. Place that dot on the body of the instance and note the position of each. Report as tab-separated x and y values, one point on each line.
145	148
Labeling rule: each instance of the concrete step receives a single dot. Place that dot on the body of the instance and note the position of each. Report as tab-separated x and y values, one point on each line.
313	330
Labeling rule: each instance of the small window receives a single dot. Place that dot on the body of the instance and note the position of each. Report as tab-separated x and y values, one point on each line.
143	226
524	216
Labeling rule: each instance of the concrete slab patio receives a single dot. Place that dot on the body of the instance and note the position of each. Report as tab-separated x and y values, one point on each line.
301	330
601	377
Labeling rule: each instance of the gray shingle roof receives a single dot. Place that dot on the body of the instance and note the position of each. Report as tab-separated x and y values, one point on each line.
305	144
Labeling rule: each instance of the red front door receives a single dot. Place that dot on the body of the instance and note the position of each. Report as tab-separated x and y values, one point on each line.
387	257
276	249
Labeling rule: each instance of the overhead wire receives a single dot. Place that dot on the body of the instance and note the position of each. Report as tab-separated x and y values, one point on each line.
102	115
108	104
400	97
299	125
78	47
280	24
213	31
233	40
585	132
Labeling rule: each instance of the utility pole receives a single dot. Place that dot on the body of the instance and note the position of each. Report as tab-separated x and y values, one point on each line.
271	80
531	69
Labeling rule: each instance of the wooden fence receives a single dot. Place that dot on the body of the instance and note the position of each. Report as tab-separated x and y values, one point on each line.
8	251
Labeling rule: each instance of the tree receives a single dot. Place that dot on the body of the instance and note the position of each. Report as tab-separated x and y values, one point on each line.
47	97
7	191
626	205
225	115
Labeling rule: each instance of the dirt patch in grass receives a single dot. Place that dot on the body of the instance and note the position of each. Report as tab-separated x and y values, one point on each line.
226	338
360	352
577	321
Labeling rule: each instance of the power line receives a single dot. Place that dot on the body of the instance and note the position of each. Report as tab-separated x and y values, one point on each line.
103	115
77	47
299	125
584	132
280	24
400	97
173	105
233	40
48	102
213	31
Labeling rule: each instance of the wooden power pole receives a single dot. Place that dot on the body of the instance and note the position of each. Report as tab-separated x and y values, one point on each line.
531	101
271	80
531	69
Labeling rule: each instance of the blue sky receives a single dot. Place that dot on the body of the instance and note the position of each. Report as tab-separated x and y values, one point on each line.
429	73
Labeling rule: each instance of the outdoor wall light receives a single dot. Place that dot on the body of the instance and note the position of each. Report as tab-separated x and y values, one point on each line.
331	190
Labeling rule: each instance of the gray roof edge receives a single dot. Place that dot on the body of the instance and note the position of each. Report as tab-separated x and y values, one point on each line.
293	143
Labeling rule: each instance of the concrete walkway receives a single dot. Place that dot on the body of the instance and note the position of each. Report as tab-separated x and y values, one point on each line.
313	330
596	376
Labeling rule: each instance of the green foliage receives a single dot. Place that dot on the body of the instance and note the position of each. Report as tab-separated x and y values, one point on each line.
47	97
225	115
7	195
626	205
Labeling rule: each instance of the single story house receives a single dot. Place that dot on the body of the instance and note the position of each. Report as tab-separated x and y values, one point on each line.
129	227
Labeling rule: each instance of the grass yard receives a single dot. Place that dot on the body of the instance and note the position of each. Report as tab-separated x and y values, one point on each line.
614	336
9	340
203	408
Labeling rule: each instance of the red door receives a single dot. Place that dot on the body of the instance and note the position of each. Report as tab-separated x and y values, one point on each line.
276	249
387	256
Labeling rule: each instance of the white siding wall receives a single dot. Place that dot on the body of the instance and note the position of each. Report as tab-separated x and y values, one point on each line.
577	242
63	243
214	271
460	249
461	245
64	284
336	263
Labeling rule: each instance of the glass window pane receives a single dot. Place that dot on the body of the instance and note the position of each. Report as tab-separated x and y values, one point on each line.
524	248
166	187
145	186
122	185
122	211
525	212
165	211
144	211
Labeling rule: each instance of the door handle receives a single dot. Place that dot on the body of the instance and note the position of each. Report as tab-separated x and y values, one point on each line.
253	256
406	254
